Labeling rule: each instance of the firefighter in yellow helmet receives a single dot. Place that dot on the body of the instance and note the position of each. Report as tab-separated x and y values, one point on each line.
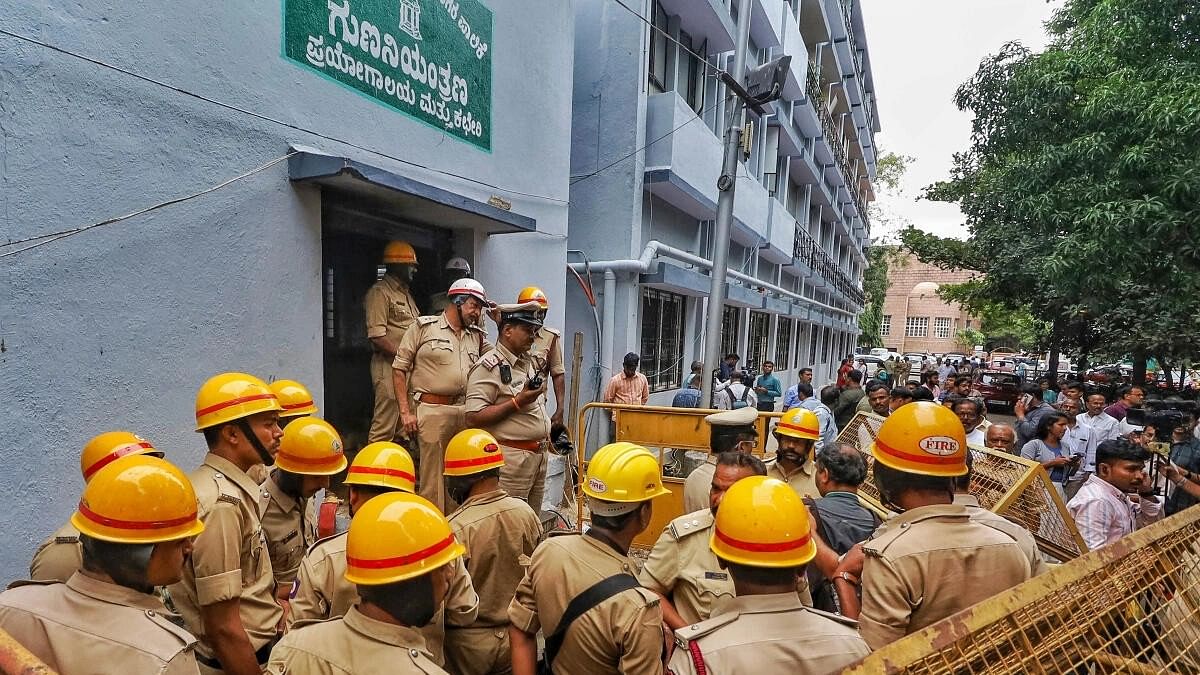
321	590
59	556
295	400
498	531
623	630
390	310
547	351
796	434
310	453
400	553
932	560
136	522
227	596
761	536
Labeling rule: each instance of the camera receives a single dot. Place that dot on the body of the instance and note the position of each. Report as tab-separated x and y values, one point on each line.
1164	416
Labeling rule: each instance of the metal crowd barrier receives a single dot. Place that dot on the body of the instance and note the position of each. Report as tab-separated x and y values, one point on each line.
16	660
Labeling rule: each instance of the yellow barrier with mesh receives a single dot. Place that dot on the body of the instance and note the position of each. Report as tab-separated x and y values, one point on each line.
1130	607
16	660
1014	487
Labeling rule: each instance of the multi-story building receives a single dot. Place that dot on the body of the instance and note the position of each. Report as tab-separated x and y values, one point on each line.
649	116
915	317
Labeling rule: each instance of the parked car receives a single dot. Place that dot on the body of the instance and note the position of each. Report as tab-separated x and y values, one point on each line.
1000	389
1004	365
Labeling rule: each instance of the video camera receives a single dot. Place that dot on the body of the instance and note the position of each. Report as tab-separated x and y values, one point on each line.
1163	415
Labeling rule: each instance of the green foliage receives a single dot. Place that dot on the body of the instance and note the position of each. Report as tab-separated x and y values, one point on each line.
880	259
968	338
1081	186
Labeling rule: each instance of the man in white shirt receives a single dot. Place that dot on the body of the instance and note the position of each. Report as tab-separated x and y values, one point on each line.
970	413
828	426
1111	504
736	394
1101	426
1074	442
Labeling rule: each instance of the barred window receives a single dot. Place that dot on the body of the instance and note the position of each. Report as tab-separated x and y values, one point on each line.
783	343
941	327
916	326
730	327
760	333
657	72
662	338
885	326
814	336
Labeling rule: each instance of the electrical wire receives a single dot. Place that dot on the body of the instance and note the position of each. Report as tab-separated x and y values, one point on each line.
267	118
63	234
703	59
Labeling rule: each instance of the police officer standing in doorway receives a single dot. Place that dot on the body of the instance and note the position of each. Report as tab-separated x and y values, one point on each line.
432	362
390	311
455	269
547	351
504	398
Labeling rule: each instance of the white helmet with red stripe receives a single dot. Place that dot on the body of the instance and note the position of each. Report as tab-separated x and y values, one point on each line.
468	287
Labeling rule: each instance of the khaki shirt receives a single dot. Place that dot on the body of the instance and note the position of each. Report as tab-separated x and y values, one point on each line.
698	484
322	592
486	387
769	634
546	353
390	309
437	359
352	644
931	562
91	626
803	480
683	568
1021	535
497	530
289	528
229	559
623	634
58	557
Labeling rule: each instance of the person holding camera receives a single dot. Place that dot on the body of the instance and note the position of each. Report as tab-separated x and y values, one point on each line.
505	397
432	363
1118	498
1185	455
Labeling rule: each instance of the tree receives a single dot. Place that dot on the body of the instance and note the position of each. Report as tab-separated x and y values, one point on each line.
1081	184
889	172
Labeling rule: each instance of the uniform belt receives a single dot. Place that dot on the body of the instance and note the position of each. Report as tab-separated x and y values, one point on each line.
531	446
262	656
438	399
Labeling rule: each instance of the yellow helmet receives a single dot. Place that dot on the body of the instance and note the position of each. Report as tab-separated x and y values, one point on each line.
624	472
472	451
108	446
762	522
383	464
397	536
232	396
138	500
399	252
799	423
533	294
923	438
311	447
294	398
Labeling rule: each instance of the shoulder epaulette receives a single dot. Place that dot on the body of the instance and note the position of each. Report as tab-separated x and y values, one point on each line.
489	360
426	320
691	523
554	331
836	617
323	540
699	630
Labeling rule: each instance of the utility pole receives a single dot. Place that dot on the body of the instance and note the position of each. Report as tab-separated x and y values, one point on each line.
735	118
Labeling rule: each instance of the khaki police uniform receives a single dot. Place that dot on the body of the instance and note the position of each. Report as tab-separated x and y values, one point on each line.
698	484
229	559
546	352
497	531
322	592
768	634
929	563
623	634
90	626
355	644
803	480
524	435
58	557
436	360
1022	536
390	311
683	568
289	528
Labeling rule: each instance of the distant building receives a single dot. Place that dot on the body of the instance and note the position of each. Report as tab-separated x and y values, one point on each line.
915	318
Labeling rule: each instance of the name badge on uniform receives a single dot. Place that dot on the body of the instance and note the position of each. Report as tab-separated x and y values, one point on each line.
716	576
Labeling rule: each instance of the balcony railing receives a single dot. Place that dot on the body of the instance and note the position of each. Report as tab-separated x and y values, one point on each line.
834	140
809	252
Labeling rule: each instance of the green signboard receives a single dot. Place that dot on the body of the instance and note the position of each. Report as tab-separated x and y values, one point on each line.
431	59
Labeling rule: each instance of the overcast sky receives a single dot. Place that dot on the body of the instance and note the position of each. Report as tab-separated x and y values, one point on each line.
921	51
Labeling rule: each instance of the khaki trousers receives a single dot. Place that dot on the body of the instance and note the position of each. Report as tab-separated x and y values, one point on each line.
386	420
524	475
436	425
478	651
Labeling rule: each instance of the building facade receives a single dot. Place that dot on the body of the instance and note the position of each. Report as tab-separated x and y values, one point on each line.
443	123
915	318
649	117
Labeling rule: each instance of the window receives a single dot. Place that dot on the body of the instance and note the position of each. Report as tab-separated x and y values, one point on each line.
829	335
813	336
941	327
916	326
760	333
658	49
730	327
968	324
885	326
691	71
662	338
783	344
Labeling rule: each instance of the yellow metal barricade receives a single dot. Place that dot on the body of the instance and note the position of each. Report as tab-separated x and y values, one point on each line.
16	660
1014	487
1130	607
661	430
